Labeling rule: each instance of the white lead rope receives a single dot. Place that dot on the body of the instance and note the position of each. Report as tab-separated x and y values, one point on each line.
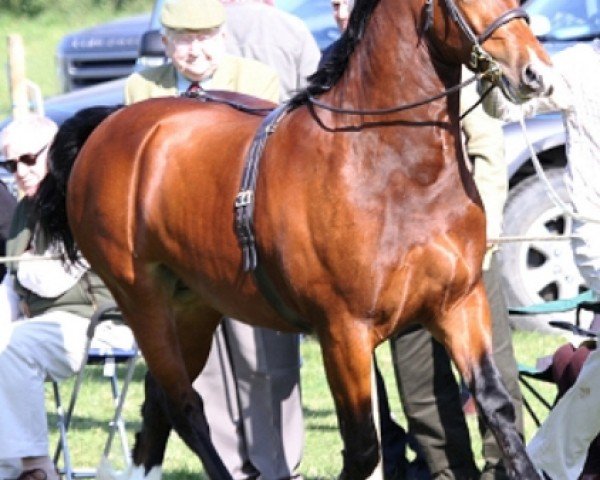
553	196
28	258
551	191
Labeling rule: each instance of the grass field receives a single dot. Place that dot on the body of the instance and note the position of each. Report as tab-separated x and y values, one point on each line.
322	459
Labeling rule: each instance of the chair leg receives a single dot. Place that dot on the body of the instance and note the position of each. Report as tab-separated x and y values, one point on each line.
537	395
117	424
63	443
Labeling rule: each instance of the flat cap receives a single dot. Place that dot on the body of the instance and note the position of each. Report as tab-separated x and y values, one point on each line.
192	14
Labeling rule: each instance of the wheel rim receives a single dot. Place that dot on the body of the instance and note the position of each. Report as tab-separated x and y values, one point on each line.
548	269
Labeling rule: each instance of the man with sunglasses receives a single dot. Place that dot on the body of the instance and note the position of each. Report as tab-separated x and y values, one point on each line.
45	307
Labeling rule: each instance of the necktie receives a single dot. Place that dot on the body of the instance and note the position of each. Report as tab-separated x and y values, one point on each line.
193	90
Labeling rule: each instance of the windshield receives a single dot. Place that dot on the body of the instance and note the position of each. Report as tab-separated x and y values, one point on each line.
567	19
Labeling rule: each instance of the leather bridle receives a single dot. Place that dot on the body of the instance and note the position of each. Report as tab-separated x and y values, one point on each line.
481	61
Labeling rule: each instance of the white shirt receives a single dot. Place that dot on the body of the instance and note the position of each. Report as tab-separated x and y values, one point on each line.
577	96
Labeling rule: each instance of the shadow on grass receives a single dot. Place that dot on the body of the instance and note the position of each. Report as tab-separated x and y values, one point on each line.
84	423
319	412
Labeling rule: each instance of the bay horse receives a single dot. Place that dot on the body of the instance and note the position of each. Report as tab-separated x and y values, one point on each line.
365	218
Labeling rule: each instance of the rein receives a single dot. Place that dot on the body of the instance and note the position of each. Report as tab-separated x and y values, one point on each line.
478	55
207	96
400	108
481	61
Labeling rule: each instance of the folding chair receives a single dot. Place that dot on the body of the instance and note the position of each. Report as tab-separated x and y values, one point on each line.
108	357
585	301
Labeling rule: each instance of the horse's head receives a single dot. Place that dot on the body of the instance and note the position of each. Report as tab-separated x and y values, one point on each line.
491	37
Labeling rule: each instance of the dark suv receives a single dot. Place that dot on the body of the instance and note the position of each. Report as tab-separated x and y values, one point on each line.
534	271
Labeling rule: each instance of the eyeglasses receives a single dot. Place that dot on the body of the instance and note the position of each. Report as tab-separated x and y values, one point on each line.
28	159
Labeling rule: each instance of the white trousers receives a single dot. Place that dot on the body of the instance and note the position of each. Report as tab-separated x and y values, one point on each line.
49	345
30	350
561	444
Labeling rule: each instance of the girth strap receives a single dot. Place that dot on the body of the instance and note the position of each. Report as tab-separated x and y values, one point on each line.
244	219
244	200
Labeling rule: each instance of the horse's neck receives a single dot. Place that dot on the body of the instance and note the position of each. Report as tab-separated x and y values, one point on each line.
391	66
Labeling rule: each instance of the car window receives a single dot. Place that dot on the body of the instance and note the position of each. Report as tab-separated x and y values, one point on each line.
568	19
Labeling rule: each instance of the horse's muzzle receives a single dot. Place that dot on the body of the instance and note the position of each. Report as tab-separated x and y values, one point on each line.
535	80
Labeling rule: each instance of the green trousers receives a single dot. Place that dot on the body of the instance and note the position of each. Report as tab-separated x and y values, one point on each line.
431	396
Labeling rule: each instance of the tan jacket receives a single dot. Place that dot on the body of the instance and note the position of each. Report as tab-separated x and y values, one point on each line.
235	74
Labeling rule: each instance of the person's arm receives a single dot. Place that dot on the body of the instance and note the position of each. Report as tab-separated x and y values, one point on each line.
484	142
497	105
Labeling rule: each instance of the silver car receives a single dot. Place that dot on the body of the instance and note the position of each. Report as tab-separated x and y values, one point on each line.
538	270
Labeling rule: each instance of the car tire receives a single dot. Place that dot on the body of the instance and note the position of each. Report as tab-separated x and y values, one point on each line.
538	271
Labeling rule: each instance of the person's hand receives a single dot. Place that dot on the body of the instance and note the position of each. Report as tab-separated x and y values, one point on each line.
483	85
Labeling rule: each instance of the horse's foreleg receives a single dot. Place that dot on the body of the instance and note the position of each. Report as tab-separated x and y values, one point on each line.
466	333
347	354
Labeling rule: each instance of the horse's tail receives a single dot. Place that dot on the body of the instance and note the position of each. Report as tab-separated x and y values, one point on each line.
50	200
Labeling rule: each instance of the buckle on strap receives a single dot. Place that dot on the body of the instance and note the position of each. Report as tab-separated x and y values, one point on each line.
244	198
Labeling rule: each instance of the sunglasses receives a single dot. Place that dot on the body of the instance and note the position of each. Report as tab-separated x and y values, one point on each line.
28	159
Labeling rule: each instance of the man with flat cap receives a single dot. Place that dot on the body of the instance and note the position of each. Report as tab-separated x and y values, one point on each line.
194	40
251	382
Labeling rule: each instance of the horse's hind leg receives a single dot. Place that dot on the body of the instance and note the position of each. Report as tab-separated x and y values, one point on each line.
151	440
347	354
174	335
466	333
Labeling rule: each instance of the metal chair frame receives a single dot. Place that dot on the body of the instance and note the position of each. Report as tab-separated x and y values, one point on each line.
119	388
584	301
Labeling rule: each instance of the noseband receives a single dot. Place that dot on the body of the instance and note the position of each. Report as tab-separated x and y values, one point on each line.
481	61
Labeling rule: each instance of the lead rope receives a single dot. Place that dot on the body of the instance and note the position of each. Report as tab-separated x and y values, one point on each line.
551	191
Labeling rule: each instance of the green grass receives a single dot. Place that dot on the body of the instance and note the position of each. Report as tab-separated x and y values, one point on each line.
322	459
42	33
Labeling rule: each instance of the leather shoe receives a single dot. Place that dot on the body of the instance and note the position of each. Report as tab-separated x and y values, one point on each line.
34	474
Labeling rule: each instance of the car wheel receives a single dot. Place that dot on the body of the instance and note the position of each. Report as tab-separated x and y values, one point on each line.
538	271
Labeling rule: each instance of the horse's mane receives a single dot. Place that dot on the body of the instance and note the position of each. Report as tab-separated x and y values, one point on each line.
335	65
